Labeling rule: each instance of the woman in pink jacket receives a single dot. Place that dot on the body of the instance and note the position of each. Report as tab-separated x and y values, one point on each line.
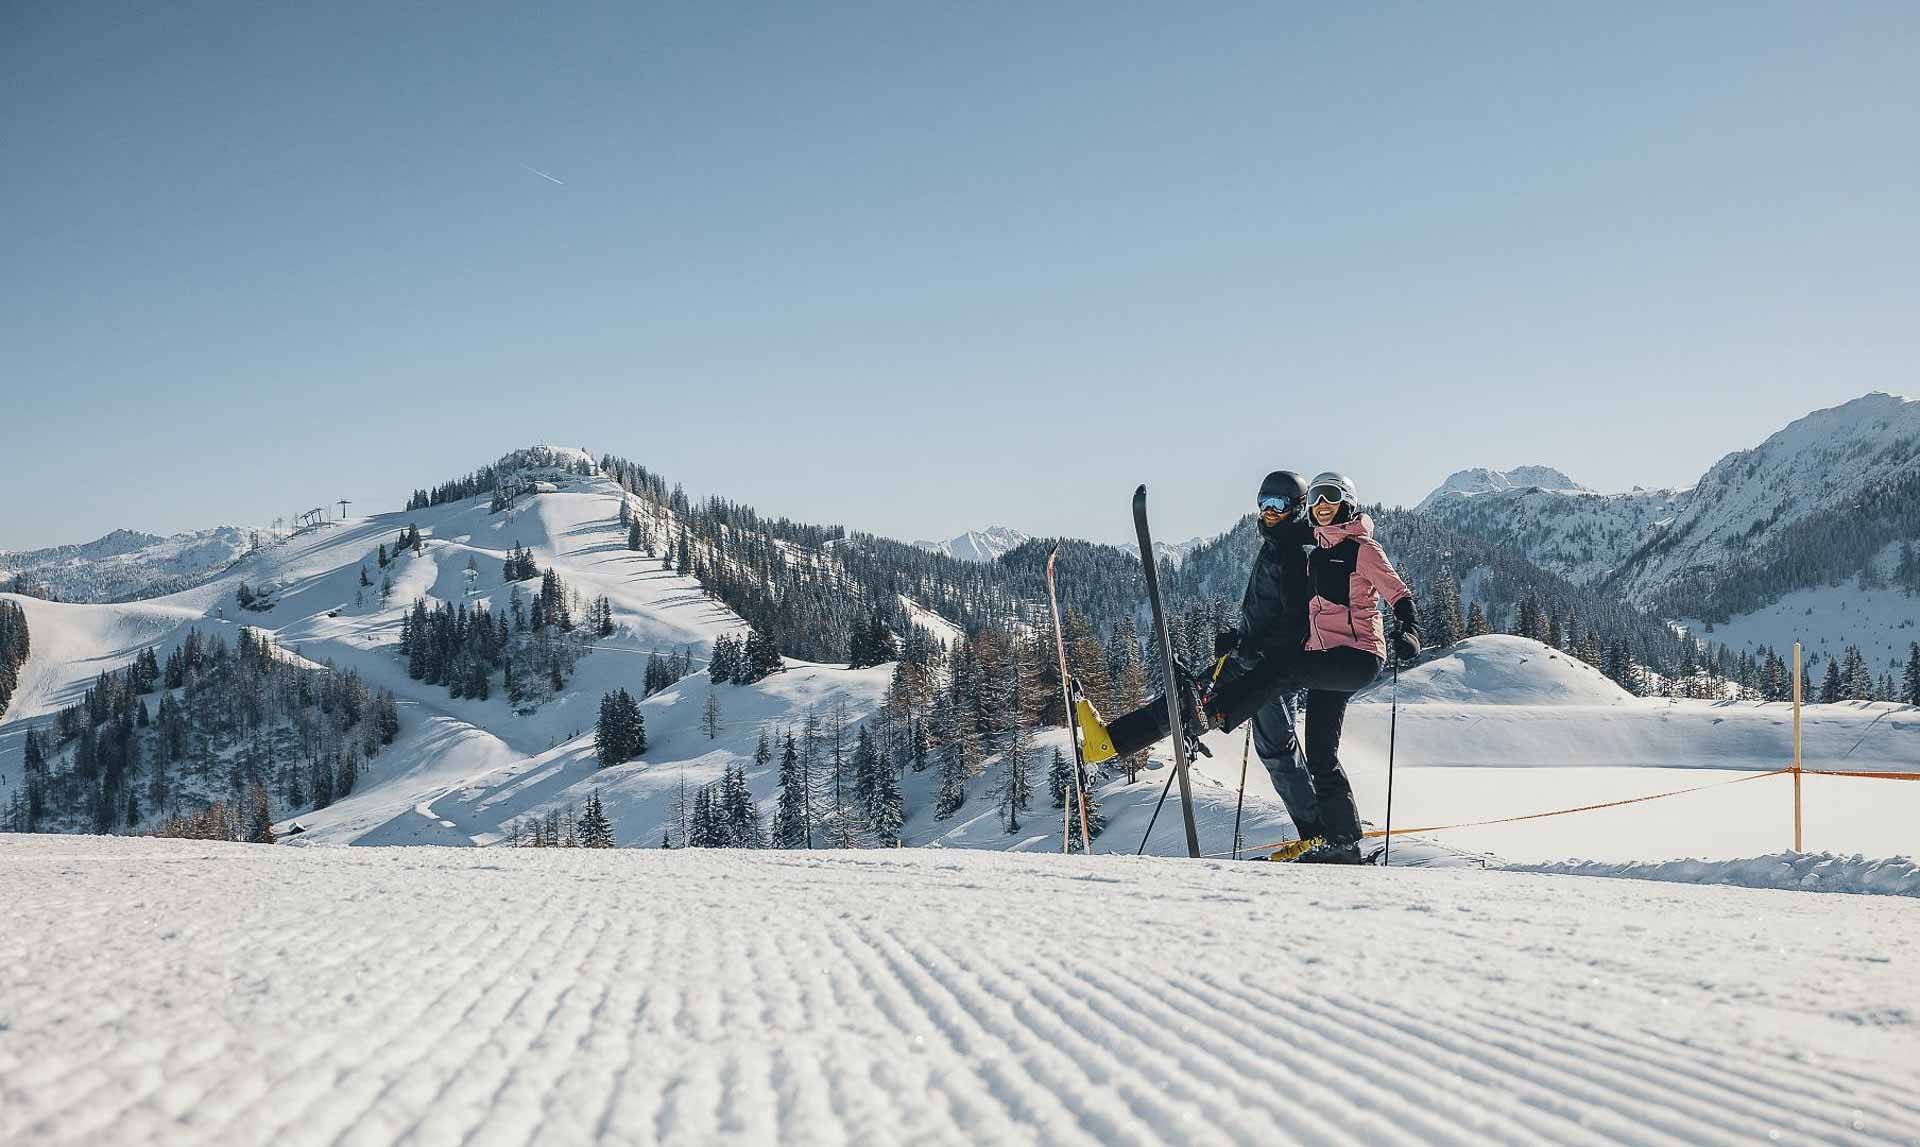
1348	574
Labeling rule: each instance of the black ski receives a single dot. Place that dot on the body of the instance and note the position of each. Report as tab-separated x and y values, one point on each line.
1168	672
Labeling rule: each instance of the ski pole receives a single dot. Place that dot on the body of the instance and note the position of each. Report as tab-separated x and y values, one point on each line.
1157	806
1242	799
1393	729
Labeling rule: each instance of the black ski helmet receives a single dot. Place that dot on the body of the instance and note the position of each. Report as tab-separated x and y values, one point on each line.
1285	484
1282	484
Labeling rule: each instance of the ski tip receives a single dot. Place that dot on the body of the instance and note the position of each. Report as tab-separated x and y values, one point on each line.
1140	496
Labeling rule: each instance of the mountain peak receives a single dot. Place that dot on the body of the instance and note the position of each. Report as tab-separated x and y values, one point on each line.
1483	480
977	545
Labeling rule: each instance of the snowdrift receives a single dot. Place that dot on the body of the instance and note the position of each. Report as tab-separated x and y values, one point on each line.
1502	670
1801	871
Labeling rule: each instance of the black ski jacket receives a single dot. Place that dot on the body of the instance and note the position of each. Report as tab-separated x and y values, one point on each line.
1274	608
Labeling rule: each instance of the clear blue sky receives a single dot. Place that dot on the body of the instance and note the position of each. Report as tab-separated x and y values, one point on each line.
920	268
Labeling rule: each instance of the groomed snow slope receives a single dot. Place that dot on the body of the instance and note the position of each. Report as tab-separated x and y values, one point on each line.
189	993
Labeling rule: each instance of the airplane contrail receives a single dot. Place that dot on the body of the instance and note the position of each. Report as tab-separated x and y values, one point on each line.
545	176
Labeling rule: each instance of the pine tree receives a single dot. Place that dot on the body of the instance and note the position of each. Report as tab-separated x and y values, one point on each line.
1910	685
953	786
1831	688
1096	820
793	816
742	816
1477	621
259	816
1059	779
620	733
710	715
596	831
1857	678
1015	791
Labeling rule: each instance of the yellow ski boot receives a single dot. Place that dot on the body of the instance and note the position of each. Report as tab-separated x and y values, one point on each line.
1096	744
1297	849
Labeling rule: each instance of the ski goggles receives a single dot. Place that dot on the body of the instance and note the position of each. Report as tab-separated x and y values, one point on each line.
1279	505
1321	494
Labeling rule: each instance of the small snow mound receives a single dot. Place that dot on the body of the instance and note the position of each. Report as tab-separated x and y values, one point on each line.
1501	670
1799	871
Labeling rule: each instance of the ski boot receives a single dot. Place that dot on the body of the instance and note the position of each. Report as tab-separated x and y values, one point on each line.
1296	849
1195	694
1327	852
1096	742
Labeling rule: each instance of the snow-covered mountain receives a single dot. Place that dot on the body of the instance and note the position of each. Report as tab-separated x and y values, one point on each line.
1481	480
1747	534
977	545
1176	552
128	564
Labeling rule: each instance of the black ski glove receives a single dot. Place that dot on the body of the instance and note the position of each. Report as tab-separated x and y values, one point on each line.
1406	632
1225	642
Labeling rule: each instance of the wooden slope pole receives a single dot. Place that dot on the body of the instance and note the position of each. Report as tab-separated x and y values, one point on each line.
1796	746
1073	724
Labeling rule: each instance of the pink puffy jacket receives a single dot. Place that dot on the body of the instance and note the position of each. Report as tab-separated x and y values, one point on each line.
1348	572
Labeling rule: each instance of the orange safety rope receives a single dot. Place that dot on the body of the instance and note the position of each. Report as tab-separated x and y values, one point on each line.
1559	811
1870	776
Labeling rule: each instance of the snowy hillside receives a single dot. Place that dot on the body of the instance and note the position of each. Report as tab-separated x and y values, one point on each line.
696	997
977	545
126	564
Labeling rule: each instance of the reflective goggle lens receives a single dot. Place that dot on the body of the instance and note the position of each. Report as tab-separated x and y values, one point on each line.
1277	504
1325	494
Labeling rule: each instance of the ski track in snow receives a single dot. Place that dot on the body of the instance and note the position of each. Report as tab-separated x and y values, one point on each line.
184	992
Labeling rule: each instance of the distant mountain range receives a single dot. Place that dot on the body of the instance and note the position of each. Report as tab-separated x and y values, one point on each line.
127	564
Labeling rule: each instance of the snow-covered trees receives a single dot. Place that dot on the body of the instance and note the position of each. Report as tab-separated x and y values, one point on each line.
793	819
759	657
594	829
232	719
662	672
1910	685
724	815
742	661
710	715
15	644
1831	687
519	565
620	733
880	796
1440	623
871	643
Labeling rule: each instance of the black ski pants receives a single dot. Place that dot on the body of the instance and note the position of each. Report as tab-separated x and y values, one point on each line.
1331	677
1276	740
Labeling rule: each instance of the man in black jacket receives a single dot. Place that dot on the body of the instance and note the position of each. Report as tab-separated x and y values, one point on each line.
1274	619
1273	626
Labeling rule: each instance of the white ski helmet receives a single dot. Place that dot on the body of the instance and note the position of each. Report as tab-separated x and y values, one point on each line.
1328	486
